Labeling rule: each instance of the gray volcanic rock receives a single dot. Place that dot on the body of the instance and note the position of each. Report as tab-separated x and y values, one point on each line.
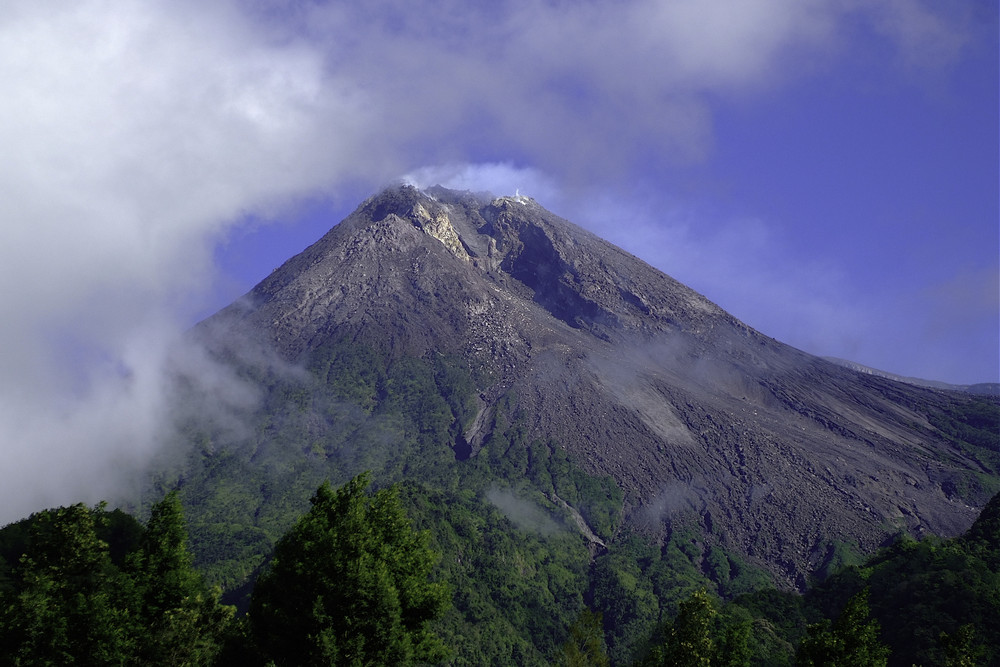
696	416
982	388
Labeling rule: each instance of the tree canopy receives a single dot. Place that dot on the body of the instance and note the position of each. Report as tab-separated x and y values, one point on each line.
349	585
72	600
852	640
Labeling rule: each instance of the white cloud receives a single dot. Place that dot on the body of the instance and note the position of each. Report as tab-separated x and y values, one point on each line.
498	178
583	90
924	38
133	135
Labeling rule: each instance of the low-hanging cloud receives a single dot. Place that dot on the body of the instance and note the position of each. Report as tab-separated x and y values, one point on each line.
499	178
137	135
524	513
134	135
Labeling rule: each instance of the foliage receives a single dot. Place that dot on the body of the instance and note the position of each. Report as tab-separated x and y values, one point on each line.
585	645
689	642
348	584
701	636
70	601
516	590
961	648
636	584
518	587
839	554
982	540
181	622
852	640
949	589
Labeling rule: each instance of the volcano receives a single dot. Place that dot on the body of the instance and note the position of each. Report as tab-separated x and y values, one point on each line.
697	418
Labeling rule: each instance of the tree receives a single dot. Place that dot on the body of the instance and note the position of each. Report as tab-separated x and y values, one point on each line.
688	640
734	649
181	620
69	603
700	637
585	646
348	585
961	649
852	641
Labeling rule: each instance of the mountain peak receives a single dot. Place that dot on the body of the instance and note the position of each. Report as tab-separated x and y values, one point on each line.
511	245
461	220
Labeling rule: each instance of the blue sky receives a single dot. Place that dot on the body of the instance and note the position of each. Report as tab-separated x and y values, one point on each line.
826	170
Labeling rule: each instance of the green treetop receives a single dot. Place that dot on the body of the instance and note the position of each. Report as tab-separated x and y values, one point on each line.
69	605
181	620
348	585
852	641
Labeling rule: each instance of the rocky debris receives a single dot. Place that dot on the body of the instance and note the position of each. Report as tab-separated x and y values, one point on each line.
982	388
580	522
439	226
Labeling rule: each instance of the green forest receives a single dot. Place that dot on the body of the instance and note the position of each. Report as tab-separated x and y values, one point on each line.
353	582
273	545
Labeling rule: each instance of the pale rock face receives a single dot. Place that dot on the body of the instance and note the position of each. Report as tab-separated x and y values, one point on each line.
440	227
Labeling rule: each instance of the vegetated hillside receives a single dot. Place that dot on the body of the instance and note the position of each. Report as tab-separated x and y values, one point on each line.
590	430
937	602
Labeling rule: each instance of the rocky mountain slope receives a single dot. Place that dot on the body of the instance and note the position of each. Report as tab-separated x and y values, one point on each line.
700	420
982	388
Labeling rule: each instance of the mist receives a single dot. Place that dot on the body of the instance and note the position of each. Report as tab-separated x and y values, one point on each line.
135	138
523	513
